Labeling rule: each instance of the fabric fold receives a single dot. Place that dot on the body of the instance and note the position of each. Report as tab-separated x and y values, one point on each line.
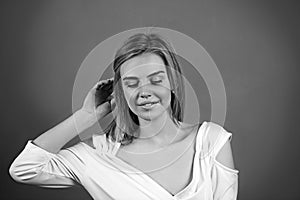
105	176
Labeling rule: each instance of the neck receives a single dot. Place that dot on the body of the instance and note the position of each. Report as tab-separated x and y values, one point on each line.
159	131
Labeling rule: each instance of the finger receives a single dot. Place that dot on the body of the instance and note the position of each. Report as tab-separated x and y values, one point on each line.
97	85
103	83
100	85
109	88
109	98
108	80
100	82
112	104
106	88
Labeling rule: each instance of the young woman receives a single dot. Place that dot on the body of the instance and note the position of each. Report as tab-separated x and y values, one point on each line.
147	152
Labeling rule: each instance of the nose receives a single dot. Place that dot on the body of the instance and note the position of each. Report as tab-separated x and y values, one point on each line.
145	95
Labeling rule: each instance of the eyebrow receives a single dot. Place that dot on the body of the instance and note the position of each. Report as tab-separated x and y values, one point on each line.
133	77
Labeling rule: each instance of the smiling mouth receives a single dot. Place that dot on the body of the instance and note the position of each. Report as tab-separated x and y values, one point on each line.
148	105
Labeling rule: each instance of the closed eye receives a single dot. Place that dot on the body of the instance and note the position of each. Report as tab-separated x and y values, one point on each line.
132	86
155	82
157	79
131	83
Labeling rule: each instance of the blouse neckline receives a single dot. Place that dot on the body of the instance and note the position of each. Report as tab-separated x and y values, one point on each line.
194	169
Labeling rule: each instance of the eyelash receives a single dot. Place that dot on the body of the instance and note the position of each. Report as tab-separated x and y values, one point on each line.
134	85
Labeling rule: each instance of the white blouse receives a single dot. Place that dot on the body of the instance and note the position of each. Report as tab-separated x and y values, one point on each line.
104	175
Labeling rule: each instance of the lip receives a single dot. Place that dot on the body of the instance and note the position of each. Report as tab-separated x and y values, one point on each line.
148	106
148	102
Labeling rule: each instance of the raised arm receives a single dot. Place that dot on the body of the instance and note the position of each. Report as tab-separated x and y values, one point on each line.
54	139
44	162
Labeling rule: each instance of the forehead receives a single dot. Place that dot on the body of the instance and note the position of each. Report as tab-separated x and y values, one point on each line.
142	65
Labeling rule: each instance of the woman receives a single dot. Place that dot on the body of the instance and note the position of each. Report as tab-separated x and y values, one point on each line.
147	152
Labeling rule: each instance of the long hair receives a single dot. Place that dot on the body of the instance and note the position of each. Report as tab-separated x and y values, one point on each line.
126	124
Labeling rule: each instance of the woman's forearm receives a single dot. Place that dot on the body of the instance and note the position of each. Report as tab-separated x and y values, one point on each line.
55	138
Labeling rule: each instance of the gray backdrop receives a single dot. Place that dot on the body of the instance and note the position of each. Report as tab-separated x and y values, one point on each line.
255	44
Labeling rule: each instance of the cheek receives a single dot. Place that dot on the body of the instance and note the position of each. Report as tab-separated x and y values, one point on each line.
164	95
129	96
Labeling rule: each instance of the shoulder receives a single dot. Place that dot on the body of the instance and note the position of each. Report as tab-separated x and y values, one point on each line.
215	134
225	156
187	131
213	137
218	143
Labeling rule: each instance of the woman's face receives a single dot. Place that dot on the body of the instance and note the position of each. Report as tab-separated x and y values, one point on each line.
146	86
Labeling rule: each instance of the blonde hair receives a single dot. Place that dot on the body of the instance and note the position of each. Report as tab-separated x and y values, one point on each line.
122	128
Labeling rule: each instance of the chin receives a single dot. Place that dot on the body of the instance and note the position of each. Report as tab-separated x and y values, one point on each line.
152	115
149	114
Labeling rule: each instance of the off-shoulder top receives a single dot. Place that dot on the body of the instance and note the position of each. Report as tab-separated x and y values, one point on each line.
105	176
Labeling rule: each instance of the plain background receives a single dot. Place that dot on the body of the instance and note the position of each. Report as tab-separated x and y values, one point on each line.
255	45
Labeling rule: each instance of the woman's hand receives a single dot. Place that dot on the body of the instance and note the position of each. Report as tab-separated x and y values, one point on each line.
99	100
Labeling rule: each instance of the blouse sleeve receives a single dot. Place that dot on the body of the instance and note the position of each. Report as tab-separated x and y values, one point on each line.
37	166
224	179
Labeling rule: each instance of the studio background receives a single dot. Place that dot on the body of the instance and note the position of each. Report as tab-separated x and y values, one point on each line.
255	45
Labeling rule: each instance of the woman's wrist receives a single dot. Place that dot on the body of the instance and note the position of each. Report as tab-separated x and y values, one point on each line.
83	120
